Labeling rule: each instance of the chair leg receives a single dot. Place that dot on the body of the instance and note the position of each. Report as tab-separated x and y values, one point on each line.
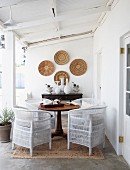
31	151
104	141
50	145
13	146
90	151
68	146
104	144
55	120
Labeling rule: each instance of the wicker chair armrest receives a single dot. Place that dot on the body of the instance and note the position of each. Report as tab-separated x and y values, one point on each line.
23	121
19	107
41	121
75	116
39	111
77	121
22	124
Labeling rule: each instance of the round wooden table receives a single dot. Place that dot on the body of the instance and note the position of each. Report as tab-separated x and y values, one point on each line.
66	107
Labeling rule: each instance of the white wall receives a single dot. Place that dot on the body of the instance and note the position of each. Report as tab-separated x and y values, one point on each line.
107	40
8	71
82	48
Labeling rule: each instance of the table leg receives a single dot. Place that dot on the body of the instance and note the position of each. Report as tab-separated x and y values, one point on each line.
59	130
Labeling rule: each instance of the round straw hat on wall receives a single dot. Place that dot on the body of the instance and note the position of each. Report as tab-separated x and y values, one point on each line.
61	57
78	67
46	68
61	74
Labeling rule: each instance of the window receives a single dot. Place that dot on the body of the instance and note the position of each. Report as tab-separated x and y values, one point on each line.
20	81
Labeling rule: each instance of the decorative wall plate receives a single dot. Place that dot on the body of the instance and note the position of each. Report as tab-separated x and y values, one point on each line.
78	67
61	74
61	57
46	68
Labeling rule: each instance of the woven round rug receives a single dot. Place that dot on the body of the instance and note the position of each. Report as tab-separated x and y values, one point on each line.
78	67
46	68
61	74
61	57
59	150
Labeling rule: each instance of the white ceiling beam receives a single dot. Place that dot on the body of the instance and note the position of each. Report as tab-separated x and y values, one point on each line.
65	31
74	15
31	45
114	3
110	2
53	34
16	35
104	15
21	2
19	39
54	14
7	3
89	11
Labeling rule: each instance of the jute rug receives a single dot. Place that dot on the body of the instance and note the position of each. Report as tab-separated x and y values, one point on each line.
59	150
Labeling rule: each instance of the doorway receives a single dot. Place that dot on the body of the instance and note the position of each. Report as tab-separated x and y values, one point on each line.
99	76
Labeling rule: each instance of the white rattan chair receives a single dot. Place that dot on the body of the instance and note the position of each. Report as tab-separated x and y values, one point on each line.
31	128
85	102
86	127
34	103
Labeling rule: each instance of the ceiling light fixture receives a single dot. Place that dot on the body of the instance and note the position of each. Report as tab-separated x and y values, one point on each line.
10	22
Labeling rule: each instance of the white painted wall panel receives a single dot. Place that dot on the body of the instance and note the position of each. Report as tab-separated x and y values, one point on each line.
107	40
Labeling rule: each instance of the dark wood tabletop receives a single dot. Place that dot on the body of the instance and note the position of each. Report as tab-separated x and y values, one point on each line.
65	107
63	96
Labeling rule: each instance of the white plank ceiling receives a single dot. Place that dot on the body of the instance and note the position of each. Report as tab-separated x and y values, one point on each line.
41	21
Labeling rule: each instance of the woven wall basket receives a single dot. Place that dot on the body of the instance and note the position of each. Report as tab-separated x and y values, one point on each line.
78	67
46	68
61	57
61	74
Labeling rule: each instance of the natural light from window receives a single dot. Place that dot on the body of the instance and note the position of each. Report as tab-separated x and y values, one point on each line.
20	74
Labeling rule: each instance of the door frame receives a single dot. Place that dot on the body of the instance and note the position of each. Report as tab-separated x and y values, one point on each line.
121	93
99	71
125	152
95	76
